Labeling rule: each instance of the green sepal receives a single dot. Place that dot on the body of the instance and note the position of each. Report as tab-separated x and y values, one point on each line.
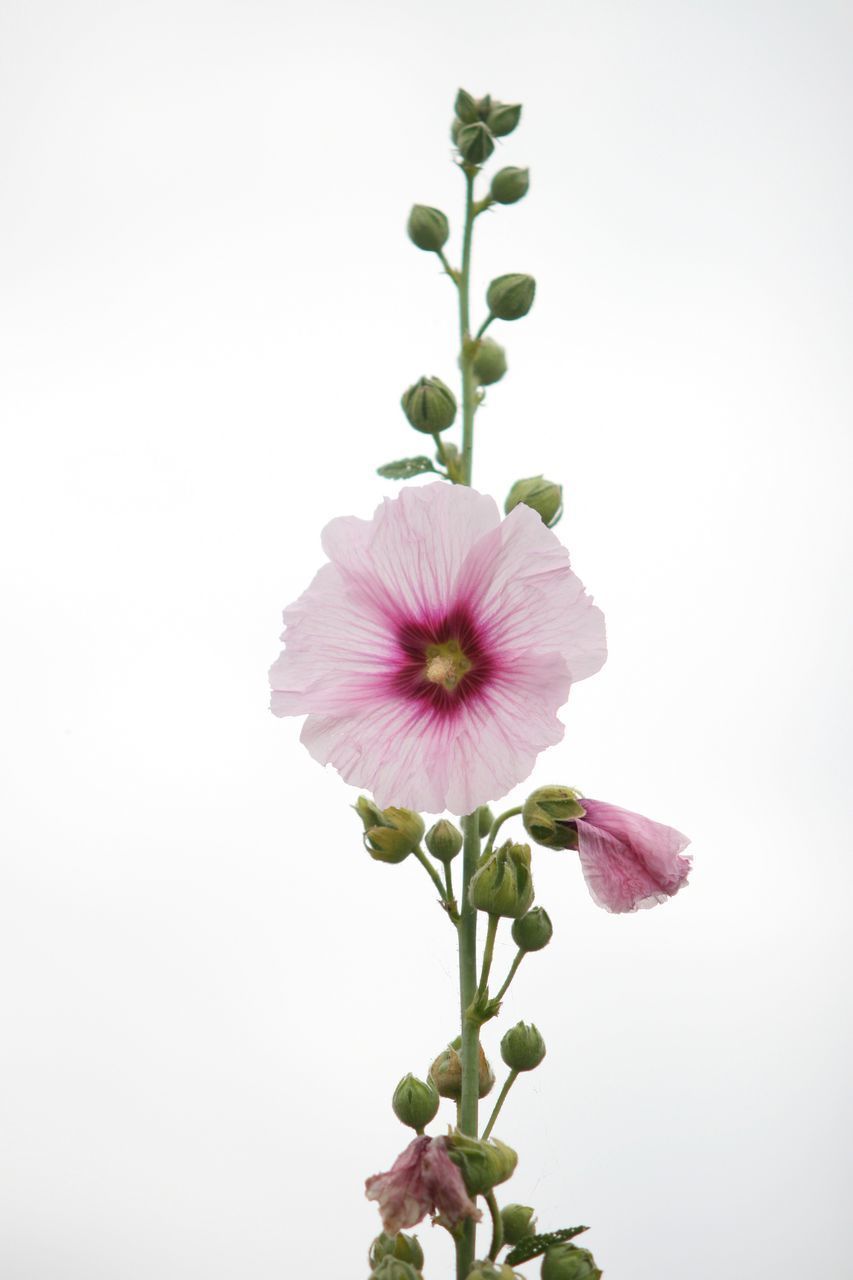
405	468
533	1246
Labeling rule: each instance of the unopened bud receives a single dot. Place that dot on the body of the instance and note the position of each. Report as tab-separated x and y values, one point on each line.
444	840
466	107
485	818
483	1164
415	1102
549	816
475	143
545	497
429	405
390	835
510	185
395	1269
491	1271
428	228
446	1073
402	1247
522	1048
503	885
510	297
533	931
518	1221
489	363
484	107
503	118
568	1262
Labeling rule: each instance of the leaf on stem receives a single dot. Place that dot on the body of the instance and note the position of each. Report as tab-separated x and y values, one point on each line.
533	1246
405	468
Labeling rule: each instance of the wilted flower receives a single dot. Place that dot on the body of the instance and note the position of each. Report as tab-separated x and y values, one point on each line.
629	861
422	1180
433	652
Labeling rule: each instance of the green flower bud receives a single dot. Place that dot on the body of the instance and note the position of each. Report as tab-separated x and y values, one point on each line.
404	1248
549	815
510	297
483	1165
489	363
518	1221
568	1262
429	405
428	228
446	1073
415	1102
545	497
485	818
444	841
510	185
491	1271
503	118
522	1048
395	1269
466	108
390	835
484	107
533	931
503	885
475	143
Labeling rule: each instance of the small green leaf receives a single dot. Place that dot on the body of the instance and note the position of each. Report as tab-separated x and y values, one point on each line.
532	1246
405	468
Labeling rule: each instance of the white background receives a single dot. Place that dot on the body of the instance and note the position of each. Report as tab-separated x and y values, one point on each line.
209	311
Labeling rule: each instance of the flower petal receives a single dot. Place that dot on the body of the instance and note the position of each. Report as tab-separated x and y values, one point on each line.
629	861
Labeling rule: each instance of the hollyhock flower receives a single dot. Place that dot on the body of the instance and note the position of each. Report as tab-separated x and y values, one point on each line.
629	861
432	653
420	1181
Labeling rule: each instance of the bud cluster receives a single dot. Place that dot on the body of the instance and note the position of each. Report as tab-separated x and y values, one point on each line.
477	122
390	835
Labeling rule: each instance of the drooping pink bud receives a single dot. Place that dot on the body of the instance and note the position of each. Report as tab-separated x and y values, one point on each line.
629	861
422	1180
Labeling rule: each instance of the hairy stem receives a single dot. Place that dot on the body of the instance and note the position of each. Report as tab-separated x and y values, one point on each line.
513	970
497	824
497	1226
510	1081
468	1108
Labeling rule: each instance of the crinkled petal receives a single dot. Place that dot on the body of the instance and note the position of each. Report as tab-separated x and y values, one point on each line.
629	861
403	1193
447	1186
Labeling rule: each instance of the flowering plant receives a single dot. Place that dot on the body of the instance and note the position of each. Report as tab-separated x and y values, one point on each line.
430	656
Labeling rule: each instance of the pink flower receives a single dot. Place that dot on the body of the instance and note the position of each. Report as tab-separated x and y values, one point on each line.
629	861
432	654
420	1181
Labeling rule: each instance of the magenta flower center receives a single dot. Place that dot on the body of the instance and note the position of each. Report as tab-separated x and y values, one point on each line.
443	661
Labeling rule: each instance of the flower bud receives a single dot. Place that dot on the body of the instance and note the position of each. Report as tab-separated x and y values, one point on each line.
503	885
429	405
404	1248
415	1102
484	107
444	840
503	118
522	1048
485	818
510	297
489	363
518	1221
542	495
428	228
446	1073
483	1164
465	108
533	931
491	1271
390	835
510	185
549	816
475	143
568	1262
395	1269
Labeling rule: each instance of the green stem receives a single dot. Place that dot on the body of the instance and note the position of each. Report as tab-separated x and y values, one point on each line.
454	275
431	871
497	1226
484	326
468	384
448	882
512	972
496	826
510	1081
488	953
468	1108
